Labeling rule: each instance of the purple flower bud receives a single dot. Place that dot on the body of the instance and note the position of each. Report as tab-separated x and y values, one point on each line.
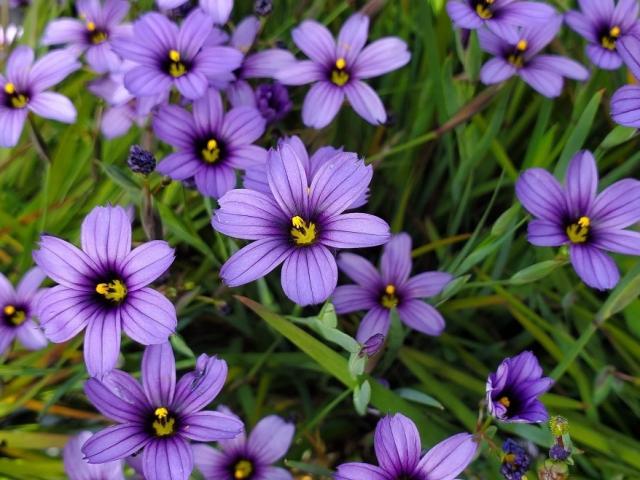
141	160
515	462
559	453
372	345
263	7
273	101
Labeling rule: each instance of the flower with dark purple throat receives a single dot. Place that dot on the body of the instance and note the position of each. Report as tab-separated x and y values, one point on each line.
399	454
98	26
211	144
515	460
379	293
168	56
300	222
23	89
337	69
17	311
104	287
517	52
604	26
496	14
576	215
160	417
248	458
513	390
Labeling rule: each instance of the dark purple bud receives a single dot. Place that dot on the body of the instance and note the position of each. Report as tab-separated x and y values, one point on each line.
559	453
273	101
141	160
372	345
263	7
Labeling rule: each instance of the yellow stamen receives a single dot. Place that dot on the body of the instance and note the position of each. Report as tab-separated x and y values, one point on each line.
211	153
9	310
9	88
522	45
341	63
615	32
115	290
609	41
339	75
390	289
91	26
389	299
242	470
504	401
174	55
303	233
13	315
579	232
163	424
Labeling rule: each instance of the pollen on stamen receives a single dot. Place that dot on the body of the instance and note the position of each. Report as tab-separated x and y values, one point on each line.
9	310
522	45
9	88
174	55
91	26
341	63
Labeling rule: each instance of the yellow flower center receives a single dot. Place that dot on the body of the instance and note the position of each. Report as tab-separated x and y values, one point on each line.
17	99
14	315
579	232
483	9
339	75
163	423
505	402
97	36
516	59
176	67
389	299
303	233
211	152
242	470
116	290
608	40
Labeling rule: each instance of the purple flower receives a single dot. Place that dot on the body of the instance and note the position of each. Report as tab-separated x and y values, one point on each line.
248	458
337	69
603	25
161	416
256	177
515	460
513	390
496	14
391	288
94	33
398	450
372	345
576	215
299	223
273	102
77	468
24	88
210	143
218	10
625	103
17	309
104	287
168	55
517	52
123	109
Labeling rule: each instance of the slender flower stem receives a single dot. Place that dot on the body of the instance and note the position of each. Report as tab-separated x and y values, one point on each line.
38	141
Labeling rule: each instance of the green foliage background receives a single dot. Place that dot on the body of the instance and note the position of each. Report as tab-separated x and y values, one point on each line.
444	172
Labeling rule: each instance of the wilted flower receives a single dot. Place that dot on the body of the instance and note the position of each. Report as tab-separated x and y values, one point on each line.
256	177
263	7
123	109
17	311
24	88
517	52
515	461
98	27
141	160
249	458
496	14
104	287
603	26
299	223
379	293
398	450
575	214
218	10
168	55
160	417
77	468
337	69
211	144
513	390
